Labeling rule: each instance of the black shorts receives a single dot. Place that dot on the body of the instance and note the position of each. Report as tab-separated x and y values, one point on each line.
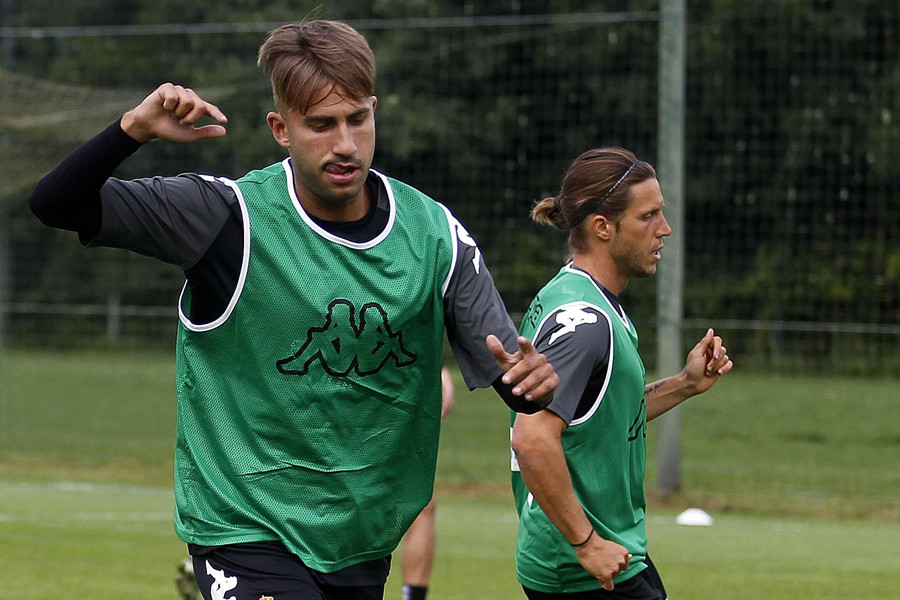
646	585
261	570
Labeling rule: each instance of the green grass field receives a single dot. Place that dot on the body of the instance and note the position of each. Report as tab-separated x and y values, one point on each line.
116	541
801	475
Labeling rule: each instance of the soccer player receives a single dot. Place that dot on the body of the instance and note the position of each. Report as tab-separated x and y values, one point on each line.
417	557
308	355
578	465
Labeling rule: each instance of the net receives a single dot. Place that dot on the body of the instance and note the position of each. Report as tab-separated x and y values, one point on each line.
792	135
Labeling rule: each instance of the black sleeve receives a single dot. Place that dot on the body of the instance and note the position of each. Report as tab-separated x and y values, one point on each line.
69	196
518	403
576	340
173	219
473	309
190	221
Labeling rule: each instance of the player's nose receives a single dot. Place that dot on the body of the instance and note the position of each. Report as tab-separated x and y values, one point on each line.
344	144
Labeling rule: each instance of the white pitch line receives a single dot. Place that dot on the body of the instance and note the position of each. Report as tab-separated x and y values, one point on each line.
157	516
78	487
93	518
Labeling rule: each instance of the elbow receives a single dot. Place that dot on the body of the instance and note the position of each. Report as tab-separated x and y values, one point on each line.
38	203
525	441
537	435
516	443
37	211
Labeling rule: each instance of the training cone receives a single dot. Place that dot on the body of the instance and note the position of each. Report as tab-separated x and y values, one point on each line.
694	517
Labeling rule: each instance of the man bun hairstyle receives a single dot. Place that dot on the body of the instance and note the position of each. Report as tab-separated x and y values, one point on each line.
548	212
306	61
597	182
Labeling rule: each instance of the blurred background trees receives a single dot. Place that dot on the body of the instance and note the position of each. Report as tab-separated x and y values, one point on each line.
792	146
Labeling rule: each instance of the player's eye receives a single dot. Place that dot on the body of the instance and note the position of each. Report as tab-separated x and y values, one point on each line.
318	126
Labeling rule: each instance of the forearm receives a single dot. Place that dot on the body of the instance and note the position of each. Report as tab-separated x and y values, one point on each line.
546	474
542	462
665	394
69	196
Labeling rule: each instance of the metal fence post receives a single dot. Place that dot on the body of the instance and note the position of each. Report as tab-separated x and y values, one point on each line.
671	269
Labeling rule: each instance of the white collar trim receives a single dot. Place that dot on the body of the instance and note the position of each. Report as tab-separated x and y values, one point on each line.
331	237
619	312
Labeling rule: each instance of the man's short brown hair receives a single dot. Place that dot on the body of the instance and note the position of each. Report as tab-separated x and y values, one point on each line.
305	62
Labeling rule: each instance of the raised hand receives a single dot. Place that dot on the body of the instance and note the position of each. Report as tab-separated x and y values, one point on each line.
706	362
170	113
527	369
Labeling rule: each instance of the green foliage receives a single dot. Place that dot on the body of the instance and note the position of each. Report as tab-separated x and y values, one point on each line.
792	138
802	133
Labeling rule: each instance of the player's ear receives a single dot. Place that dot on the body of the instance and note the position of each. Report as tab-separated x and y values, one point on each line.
279	129
601	226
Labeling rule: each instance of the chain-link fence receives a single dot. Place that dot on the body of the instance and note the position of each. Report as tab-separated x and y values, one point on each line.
793	135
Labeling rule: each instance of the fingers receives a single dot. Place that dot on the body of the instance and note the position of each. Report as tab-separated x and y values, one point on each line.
719	362
623	565
525	346
170	113
177	100
200	109
186	105
496	348
715	354
718	356
539	383
527	370
725	364
531	374
605	560
522	366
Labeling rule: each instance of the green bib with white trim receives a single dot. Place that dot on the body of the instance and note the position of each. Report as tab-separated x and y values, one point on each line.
310	412
605	450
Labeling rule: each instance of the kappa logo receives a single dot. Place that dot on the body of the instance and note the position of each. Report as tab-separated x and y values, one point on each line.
571	318
466	238
221	584
638	427
342	345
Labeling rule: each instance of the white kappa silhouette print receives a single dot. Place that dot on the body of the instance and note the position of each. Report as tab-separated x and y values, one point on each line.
221	585
571	318
466	238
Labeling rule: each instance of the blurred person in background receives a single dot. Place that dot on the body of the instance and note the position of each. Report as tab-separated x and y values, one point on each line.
417	557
